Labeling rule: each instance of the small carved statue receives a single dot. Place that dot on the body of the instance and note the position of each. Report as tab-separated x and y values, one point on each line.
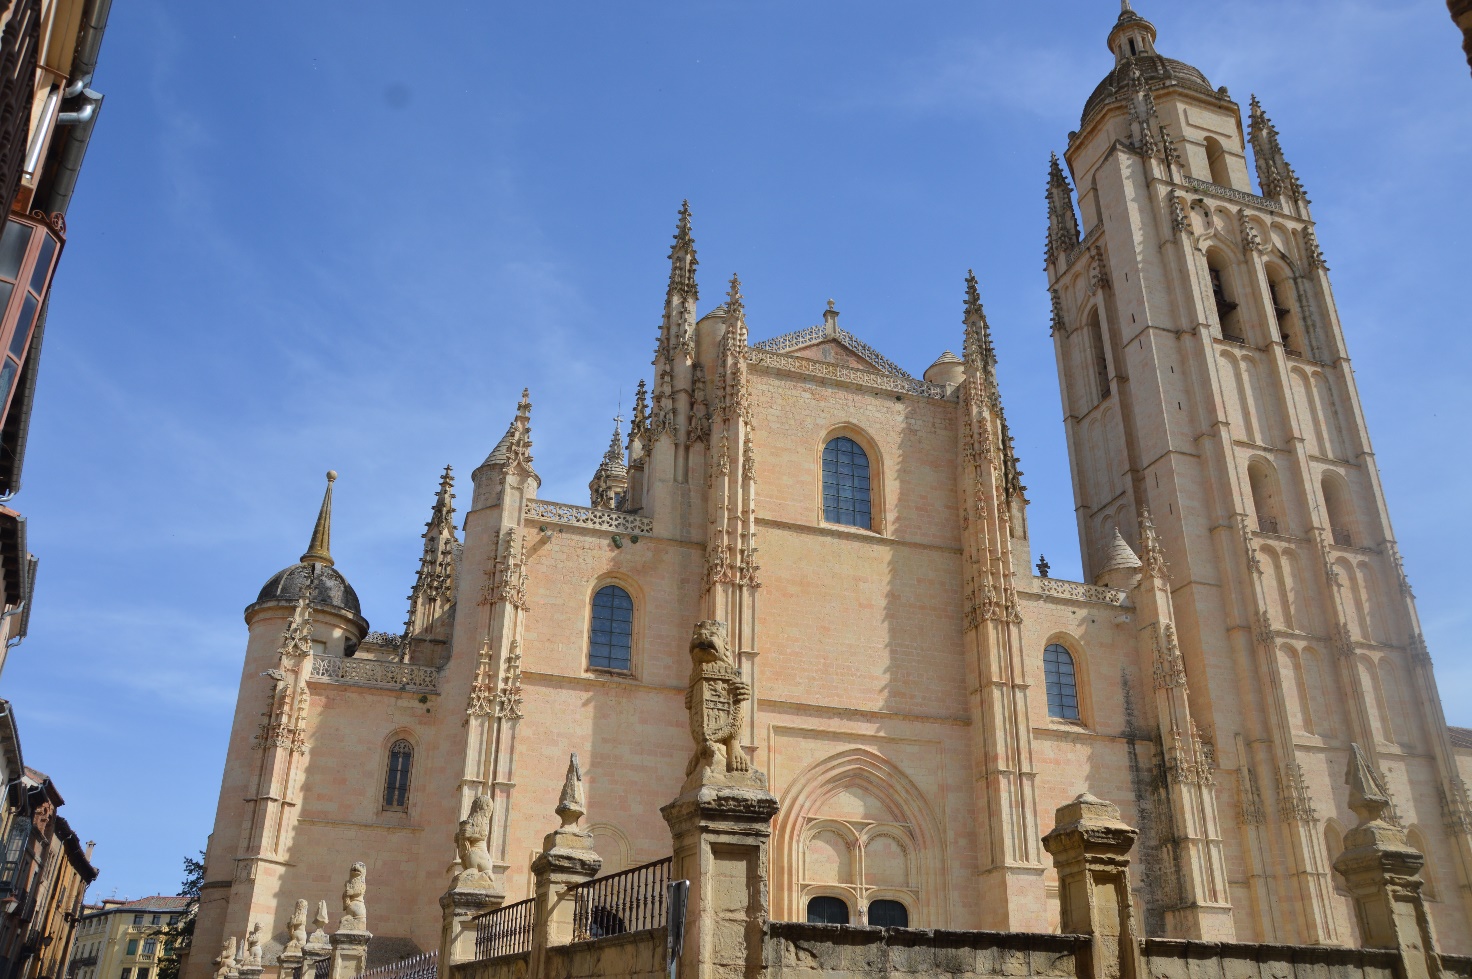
354	908
297	926
715	700
226	960
319	932
253	945
470	840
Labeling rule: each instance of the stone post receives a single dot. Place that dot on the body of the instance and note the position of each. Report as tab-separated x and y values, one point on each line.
290	963
720	823
1380	869
567	859
473	889
1090	846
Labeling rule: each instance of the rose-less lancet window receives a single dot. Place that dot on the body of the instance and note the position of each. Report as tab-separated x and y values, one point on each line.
28	250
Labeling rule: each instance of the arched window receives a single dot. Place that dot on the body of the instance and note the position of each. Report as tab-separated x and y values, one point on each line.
827	911
1264	497
1216	161
1341	525
1221	295
396	785
888	914
1280	290
1101	364
846	483
1061	683
611	638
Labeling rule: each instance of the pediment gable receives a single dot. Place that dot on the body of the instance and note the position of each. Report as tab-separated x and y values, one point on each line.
832	344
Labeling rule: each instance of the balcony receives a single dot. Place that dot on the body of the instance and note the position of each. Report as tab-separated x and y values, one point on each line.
1343	538
1267	525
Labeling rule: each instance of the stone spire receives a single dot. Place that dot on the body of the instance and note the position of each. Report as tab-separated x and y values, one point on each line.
319	551
1275	177
434	585
1063	234
512	456
1154	555
981	362
611	479
570	805
1367	799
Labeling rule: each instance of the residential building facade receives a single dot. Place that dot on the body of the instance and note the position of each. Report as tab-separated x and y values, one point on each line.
125	939
920	699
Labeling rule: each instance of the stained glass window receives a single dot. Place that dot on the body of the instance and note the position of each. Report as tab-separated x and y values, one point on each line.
396	786
611	638
845	483
1061	683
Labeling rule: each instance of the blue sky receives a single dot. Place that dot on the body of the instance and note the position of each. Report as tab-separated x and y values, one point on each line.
322	234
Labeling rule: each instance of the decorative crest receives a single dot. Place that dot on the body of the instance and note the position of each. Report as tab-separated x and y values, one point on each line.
319	551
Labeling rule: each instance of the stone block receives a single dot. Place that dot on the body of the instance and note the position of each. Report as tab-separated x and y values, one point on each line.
1203	960
1238	966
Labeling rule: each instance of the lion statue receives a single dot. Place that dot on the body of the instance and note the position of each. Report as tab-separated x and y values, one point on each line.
354	907
470	840
715	700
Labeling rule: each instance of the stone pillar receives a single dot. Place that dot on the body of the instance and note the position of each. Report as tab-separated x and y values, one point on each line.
349	953
567	859
290	963
1090	847
458	908
1381	870
721	822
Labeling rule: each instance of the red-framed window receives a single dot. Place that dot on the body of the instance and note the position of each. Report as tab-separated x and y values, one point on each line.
28	252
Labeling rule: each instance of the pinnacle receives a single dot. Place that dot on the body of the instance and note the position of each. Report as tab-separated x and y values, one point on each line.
733	295
319	551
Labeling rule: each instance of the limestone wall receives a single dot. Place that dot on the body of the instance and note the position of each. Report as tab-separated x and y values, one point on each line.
794	949
639	955
501	967
1173	959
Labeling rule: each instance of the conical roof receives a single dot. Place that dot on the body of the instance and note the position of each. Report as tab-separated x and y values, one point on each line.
1121	556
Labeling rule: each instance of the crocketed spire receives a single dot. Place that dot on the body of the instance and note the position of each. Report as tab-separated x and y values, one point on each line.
319	551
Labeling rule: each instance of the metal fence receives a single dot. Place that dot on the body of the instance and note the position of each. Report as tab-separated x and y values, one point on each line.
504	931
425	965
632	900
322	968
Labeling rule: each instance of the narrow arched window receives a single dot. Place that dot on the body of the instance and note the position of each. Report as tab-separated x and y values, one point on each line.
611	638
888	914
1062	685
396	785
846	483
827	911
1216	162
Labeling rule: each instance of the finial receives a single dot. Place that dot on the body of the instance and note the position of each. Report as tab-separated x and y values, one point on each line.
734	304
319	550
1125	8
978	342
571	807
830	304
1366	797
615	453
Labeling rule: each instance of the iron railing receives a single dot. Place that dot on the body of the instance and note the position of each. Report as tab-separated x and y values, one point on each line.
1267	525
504	931
425	965
632	900
322	968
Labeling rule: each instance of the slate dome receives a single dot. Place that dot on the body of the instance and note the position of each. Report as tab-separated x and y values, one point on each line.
327	587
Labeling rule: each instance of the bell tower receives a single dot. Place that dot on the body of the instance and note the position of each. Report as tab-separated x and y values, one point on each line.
1205	376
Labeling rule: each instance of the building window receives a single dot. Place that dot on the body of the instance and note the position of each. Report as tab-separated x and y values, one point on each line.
888	914
137	919
133	944
150	945
27	255
155	919
1061	684
173	919
611	638
396	786
823	911
142	974
127	973
168	946
846	483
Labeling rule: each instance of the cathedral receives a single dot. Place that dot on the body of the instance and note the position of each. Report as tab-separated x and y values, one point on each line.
921	697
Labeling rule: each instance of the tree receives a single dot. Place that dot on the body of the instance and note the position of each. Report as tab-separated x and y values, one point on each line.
178	937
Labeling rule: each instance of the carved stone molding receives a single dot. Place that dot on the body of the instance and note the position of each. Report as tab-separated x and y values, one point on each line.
375	673
579	516
760	357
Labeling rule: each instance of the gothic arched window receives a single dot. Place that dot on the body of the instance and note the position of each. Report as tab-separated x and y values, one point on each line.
888	914
827	911
1061	683
846	498
396	784
611	636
